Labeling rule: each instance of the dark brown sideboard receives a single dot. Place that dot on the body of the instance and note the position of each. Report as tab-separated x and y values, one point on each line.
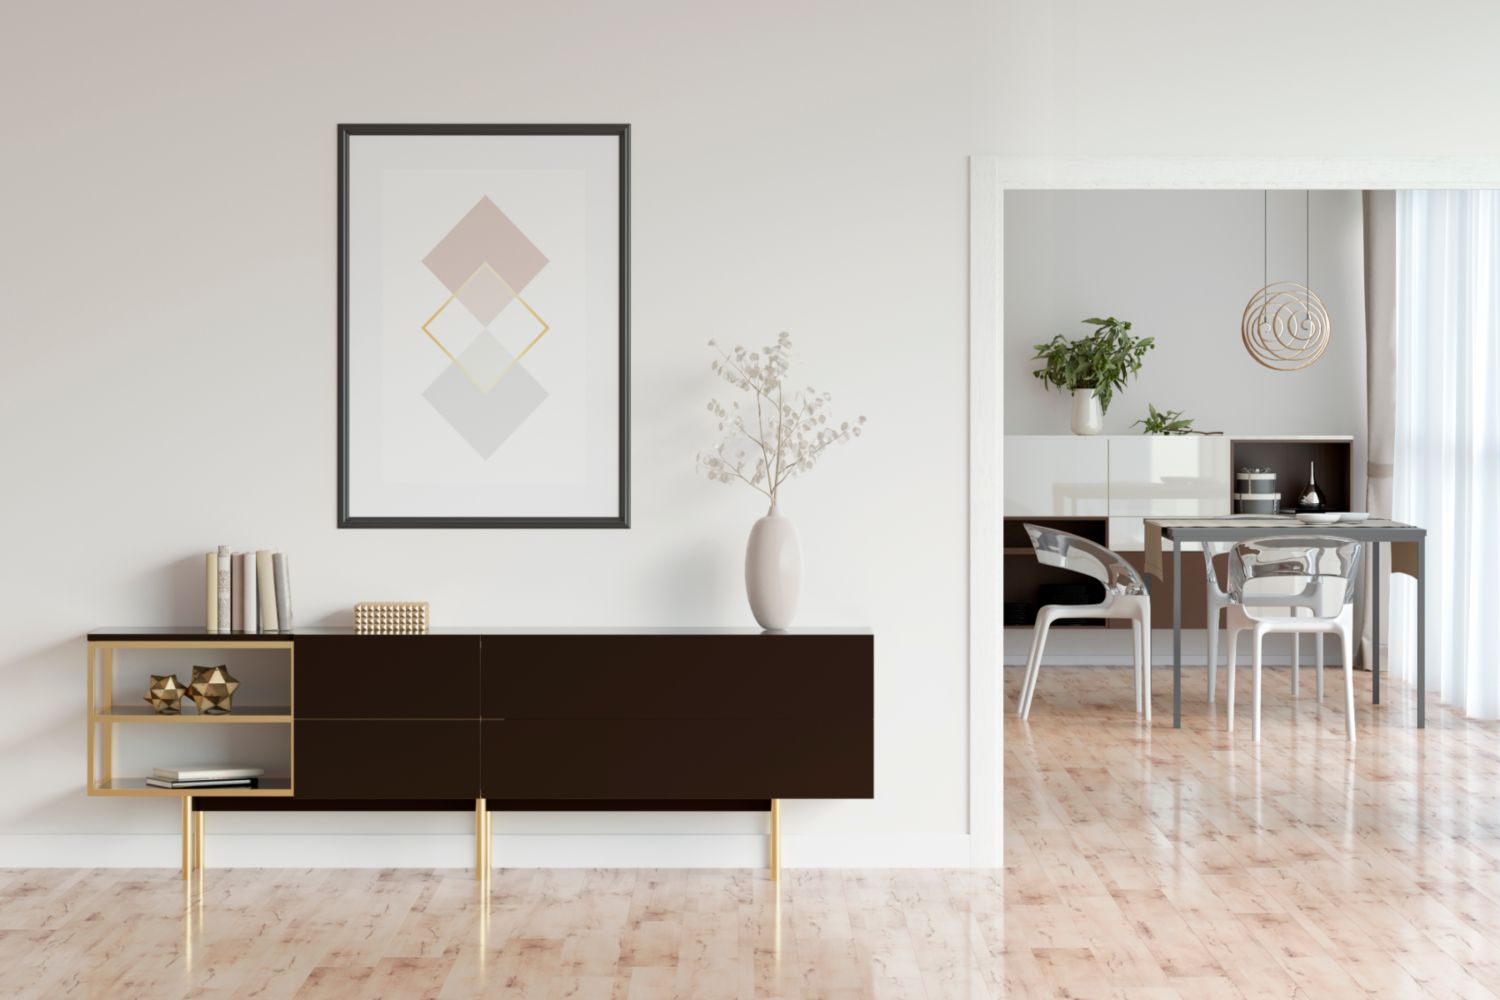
526	719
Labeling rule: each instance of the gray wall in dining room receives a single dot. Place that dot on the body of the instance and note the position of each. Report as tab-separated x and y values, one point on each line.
1180	265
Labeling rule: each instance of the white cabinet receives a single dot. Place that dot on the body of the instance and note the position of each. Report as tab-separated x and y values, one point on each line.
1125	479
1155	476
1056	476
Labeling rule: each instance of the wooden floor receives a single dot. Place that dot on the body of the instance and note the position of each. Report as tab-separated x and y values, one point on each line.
1139	864
1158	863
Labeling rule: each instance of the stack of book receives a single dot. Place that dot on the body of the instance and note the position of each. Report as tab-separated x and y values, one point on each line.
247	591
205	777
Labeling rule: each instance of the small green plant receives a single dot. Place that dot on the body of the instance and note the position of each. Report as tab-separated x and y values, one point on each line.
1168	422
1103	361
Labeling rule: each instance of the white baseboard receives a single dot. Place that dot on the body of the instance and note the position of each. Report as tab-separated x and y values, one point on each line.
656	850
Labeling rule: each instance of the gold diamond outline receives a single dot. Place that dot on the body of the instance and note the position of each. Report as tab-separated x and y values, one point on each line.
485	266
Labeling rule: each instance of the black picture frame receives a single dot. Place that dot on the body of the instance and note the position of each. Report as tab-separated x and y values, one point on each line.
345	519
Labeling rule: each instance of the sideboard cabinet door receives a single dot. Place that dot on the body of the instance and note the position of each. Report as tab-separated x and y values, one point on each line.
387	759
387	677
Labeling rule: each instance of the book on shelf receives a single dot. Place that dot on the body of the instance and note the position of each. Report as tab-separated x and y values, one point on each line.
247	591
265	581
283	591
206	772
220	783
237	588
222	559
249	608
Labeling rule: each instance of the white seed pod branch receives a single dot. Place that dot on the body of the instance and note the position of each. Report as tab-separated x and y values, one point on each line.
788	430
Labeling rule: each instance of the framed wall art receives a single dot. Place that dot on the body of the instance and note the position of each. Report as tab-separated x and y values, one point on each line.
484	338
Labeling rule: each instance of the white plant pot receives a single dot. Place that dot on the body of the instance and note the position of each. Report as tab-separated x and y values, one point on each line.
1088	415
773	571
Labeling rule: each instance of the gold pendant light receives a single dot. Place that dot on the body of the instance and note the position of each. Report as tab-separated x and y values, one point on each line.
1285	326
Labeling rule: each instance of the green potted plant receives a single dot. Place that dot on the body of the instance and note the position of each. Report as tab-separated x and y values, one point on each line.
1092	368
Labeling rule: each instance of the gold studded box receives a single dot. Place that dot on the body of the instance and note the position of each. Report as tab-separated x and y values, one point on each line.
390	618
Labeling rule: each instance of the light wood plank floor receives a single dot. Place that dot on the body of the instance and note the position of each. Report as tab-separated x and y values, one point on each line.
1157	863
1139	864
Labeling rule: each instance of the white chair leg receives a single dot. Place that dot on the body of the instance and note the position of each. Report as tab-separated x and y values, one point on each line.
1318	638
1034	662
1213	652
1135	659
1256	637
1348	652
1229	658
1296	662
1146	660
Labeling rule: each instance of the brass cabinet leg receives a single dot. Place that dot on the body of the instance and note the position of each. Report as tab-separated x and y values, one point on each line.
489	845
187	834
198	820
775	840
481	832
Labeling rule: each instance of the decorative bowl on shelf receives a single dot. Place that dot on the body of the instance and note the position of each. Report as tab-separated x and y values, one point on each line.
1307	517
1353	516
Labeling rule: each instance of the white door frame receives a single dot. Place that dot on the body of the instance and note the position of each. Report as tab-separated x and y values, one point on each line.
989	178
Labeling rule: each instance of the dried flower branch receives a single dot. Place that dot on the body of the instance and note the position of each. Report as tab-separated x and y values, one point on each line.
788	432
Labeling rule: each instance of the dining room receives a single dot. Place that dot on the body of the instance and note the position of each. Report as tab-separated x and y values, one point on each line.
1251	458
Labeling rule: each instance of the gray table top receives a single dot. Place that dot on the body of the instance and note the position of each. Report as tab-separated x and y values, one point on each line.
1238	527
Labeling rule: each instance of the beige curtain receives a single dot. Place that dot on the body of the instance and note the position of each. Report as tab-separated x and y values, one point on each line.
1380	376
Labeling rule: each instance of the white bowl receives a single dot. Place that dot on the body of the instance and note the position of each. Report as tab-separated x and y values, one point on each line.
1318	518
1354	516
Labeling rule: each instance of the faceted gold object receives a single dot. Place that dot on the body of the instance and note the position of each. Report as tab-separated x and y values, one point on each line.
165	694
390	618
213	689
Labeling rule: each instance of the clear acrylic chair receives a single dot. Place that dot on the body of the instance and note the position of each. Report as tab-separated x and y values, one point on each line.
1218	600
1298	584
1124	597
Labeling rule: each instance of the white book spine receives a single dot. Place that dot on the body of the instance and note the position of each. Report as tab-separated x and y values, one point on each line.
283	592
225	616
249	609
211	592
265	578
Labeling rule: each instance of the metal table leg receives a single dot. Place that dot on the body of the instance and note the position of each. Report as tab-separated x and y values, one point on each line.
1375	622
1421	633
1176	635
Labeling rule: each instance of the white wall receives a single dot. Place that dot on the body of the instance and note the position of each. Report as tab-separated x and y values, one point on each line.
168	250
1180	265
168	265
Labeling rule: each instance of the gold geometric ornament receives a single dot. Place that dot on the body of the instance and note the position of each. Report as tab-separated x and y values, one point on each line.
165	694
391	618
1285	326
213	690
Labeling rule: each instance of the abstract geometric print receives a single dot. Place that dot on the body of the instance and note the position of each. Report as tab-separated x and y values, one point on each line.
485	327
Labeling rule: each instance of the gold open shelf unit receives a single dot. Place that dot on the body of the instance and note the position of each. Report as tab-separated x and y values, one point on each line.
104	716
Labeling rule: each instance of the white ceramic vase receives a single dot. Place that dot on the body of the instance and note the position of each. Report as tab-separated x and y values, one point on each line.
1088	415
773	570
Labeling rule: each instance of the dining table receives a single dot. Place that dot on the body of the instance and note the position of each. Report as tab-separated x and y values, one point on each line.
1408	544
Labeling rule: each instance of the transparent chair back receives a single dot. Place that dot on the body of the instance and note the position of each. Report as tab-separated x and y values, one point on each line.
1211	551
1068	551
1317	572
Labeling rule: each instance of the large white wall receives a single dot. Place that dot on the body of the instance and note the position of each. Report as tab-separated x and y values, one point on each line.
168	261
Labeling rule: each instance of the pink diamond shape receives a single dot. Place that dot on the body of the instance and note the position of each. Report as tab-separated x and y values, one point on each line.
485	236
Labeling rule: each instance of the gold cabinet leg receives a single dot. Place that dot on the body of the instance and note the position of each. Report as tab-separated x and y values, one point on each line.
187	834
481	849
489	845
198	821
775	840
